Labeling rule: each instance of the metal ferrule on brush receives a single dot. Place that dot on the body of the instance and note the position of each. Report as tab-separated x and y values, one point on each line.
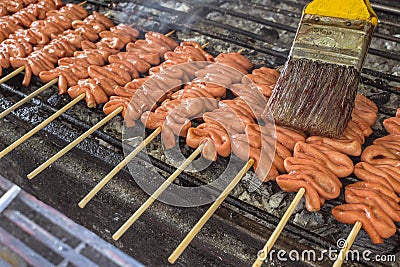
332	40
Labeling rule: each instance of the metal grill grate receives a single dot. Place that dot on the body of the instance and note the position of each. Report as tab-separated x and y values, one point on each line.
38	235
267	44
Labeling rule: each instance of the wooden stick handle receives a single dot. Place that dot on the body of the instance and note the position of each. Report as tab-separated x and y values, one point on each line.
27	98
74	143
119	167
349	242
156	194
196	229
271	241
40	126
170	33
12	74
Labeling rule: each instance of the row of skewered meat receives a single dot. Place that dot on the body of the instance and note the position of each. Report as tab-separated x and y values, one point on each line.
314	158
26	16
24	42
10	7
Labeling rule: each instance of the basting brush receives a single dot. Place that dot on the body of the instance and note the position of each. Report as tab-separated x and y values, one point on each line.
317	87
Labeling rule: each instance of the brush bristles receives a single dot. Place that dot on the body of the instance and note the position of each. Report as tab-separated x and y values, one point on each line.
314	97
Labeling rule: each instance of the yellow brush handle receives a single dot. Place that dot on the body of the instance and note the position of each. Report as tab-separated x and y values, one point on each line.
346	9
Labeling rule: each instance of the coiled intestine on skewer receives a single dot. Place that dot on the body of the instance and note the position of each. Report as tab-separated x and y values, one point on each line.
99	79
22	42
145	94
319	161
374	200
45	57
233	128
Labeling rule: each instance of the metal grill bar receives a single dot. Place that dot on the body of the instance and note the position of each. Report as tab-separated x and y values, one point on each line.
47	239
288	28
14	197
77	231
8	197
25	252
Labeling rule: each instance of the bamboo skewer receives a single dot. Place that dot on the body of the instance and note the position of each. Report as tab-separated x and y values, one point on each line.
196	229
170	33
12	74
41	125
271	241
119	167
156	194
74	143
349	242
26	99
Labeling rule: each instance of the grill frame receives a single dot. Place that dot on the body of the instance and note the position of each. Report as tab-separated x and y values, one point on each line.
248	214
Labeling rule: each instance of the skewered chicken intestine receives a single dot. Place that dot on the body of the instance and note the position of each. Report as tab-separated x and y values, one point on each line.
392	124
374	201
319	161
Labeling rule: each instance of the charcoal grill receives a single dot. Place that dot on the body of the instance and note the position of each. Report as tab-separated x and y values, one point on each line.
265	28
